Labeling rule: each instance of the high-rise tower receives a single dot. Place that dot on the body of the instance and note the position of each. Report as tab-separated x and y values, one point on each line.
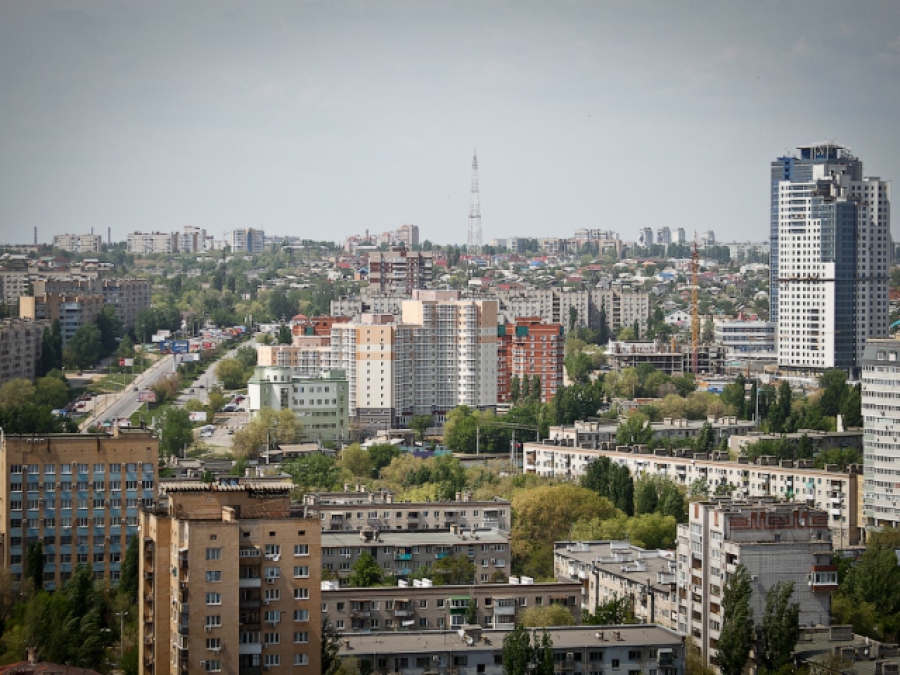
831	244
474	242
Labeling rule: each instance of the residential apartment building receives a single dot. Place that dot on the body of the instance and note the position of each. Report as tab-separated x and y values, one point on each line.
400	270
836	493
591	434
671	359
368	302
408	234
13	284
229	580
79	495
399	553
78	243
527	348
306	356
664	236
141	243
321	403
744	339
193	240
128	296
246	240
645	236
580	650
555	305
830	258
360	510
74	301
881	419
423	606
774	541
20	348
610	570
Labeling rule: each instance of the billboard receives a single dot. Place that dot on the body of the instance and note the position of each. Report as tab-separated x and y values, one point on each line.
127	363
180	346
147	396
198	416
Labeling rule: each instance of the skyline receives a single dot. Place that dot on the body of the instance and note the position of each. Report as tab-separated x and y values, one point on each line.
322	120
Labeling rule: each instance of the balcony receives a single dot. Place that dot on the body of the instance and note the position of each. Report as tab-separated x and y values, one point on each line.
254	582
403	556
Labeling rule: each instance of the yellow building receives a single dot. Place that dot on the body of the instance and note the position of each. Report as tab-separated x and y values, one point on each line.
230	580
79	495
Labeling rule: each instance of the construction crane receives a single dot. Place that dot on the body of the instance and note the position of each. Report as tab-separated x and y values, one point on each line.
695	310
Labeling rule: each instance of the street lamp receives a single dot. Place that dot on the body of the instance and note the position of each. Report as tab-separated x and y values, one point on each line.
121	616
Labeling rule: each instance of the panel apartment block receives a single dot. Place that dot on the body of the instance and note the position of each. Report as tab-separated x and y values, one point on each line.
20	348
775	541
79	495
230	581
423	606
881	441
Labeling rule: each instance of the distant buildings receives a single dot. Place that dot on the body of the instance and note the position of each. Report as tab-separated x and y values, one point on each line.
128	296
774	541
668	358
663	236
645	237
20	348
588	307
400	270
528	348
881	444
193	240
831	250
746	339
140	243
246	240
78	243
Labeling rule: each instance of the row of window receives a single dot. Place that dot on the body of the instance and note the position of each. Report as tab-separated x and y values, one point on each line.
83	485
67	469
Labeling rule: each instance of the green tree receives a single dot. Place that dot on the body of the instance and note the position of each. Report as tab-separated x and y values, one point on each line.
110	327
268	428
851	408
735	640
420	424
613	612
232	373
543	656
833	384
554	614
331	646
16	392
366	572
517	651
284	335
175	431
128	582
611	481
316	470
83	349
646	496
635	430
454	570
780	627
459	429
34	564
51	348
356	460
381	454
51	391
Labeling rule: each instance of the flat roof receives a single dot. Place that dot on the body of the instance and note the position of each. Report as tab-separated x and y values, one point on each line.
352	538
601	554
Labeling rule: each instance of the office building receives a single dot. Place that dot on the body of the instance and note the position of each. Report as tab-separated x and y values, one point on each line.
400	270
141	243
530	348
78	243
399	553
580	650
830	254
422	605
836	493
230	580
246	240
79	495
611	570
355	511
320	403
774	541
881	446
20	348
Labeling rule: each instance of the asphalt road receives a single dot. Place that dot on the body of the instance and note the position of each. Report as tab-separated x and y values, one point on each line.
124	403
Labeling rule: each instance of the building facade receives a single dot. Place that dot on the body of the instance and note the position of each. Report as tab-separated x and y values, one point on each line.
229	580
79	495
529	348
746	339
246	240
78	243
13	284
400	270
74	301
881	447
774	541
424	606
128	296
20	348
830	258
321	403
141	243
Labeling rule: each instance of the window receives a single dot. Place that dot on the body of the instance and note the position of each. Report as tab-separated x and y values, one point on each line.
272	660
212	576
301	637
271	638
214	554
301	659
301	615
213	620
213	598
272	616
273	594
301	594
214	644
301	549
212	666
301	572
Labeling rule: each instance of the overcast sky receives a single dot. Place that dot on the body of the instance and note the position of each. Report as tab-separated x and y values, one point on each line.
324	119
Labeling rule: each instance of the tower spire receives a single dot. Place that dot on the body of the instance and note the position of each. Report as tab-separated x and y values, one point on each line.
473	246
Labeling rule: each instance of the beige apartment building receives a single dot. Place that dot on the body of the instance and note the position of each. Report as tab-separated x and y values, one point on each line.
423	606
608	570
837	493
20	348
78	243
79	495
74	301
230	580
360	510
400	553
13	284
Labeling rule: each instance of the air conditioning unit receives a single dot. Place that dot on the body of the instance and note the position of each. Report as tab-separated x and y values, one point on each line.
207	628
276	557
493	561
267	601
217	650
270	580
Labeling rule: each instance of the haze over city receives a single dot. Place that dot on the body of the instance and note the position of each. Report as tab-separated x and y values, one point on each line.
325	119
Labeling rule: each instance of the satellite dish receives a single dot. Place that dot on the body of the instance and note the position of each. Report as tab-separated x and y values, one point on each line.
470	641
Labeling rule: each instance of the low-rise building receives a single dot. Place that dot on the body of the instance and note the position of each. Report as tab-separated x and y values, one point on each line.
229	580
774	541
424	606
399	553
342	511
321	404
580	650
20	348
837	493
608	570
77	494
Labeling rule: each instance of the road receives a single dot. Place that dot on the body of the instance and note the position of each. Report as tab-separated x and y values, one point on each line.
124	403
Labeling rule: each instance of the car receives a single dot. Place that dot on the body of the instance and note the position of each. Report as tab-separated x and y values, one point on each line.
203	386
135	389
231	432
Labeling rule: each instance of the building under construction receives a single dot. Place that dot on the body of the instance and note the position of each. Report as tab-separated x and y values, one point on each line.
671	359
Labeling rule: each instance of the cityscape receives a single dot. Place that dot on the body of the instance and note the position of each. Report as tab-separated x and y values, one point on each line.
333	420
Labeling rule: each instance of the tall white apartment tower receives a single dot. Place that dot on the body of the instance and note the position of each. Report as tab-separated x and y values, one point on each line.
831	248
881	419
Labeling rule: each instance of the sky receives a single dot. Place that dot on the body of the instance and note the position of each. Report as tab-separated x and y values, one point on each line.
326	119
